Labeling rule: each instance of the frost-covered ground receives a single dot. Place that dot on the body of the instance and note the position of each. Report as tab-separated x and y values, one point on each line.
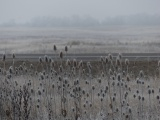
81	40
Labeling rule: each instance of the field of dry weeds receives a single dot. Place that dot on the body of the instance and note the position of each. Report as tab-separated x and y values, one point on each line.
75	90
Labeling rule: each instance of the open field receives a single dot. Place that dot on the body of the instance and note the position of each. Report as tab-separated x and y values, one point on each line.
55	88
111	39
110	88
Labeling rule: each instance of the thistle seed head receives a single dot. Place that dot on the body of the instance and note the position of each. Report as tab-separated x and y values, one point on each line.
13	56
3	57
74	63
68	63
126	62
46	58
118	62
106	60
141	74
110	56
66	48
101	59
61	55
40	60
54	48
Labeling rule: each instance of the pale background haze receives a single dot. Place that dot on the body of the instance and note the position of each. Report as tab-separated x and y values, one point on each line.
25	10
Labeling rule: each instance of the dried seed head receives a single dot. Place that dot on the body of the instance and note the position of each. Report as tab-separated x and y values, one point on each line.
87	94
42	76
3	57
138	81
113	83
38	100
149	91
32	90
26	70
80	64
141	74
61	55
77	82
40	60
123	73
127	116
110	56
66	48
130	110
90	104
68	63
83	71
10	69
46	58
117	109
126	86
60	79
102	74
89	65
134	96
73	109
83	91
101	59
120	56
74	63
137	91
142	98
128	79
24	63
52	63
31	66
39	92
13	56
93	87
153	91
8	113
110	72
113	78
54	47
139	97
106	60
122	84
113	99
157	97
60	68
50	60
127	62
84	105
99	80
119	77
37	106
118	62
101	91
52	85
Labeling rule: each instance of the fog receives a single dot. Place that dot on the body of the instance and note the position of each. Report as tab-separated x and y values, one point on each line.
27	11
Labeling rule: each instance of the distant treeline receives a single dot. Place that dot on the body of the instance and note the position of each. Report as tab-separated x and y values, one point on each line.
88	21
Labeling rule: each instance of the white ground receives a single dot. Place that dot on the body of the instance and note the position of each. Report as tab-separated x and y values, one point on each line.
81	40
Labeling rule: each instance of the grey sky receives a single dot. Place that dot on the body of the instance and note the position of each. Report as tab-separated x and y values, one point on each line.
24	10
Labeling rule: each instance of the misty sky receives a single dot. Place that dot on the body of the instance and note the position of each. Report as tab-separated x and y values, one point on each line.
25	10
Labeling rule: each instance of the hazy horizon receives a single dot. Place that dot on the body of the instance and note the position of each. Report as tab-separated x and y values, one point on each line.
24	11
